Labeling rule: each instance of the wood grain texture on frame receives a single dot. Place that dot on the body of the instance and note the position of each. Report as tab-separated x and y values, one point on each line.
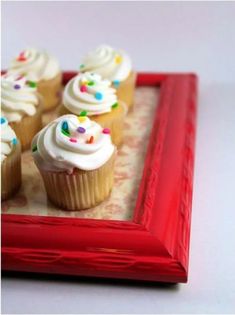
155	245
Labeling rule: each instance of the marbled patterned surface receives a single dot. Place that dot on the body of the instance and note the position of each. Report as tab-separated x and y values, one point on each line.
32	200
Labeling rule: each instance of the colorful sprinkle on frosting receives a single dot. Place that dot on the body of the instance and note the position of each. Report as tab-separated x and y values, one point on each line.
82	66
65	128
32	84
116	83
106	131
91	83
118	59
81	118
73	140
115	105
14	141
17	86
83	113
34	148
81	130
91	140
3	120
83	88
98	96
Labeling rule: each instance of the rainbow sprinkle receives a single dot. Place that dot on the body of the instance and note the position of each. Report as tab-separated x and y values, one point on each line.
21	57
116	83
65	128
99	96
65	133
73	140
32	84
34	148
115	105
81	118
81	130
3	120
14	141
17	86
106	131
91	83
83	88
118	59
83	113
91	140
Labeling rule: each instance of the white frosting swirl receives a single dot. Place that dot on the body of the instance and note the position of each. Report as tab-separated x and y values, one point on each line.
8	139
35	65
110	63
89	92
67	143
19	97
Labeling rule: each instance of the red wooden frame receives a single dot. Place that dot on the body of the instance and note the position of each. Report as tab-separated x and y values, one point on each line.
155	245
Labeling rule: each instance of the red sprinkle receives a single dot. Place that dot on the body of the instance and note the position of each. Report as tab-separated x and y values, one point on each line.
21	58
19	78
73	140
91	140
83	88
106	131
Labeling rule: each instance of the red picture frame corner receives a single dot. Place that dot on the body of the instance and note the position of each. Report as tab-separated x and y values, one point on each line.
155	245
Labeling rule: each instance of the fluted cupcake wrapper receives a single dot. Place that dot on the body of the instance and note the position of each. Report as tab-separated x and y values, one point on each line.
11	173
80	190
28	126
51	90
126	89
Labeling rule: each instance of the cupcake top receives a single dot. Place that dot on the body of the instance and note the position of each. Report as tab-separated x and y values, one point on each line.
35	65
71	142
8	139
89	92
112	64
18	97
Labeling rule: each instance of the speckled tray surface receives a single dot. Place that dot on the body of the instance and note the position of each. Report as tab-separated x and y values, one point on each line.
32	200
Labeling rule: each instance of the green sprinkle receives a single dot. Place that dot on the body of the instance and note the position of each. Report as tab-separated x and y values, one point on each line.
32	84
115	105
82	66
65	132
83	113
91	83
34	148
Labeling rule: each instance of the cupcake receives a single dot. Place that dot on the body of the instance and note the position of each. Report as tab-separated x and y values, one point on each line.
43	69
22	106
114	65
75	157
10	161
88	94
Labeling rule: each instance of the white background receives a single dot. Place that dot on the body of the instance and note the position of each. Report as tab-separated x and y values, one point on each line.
159	36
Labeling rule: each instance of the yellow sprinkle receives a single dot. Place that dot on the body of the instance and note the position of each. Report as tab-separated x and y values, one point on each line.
118	59
81	118
84	82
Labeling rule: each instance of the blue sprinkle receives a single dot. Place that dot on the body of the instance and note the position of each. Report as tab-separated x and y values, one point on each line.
65	126
14	141
3	120
98	96
116	83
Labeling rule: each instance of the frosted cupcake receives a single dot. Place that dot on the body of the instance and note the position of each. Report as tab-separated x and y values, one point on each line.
88	94
22	106
10	161
75	157
40	67
114	65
